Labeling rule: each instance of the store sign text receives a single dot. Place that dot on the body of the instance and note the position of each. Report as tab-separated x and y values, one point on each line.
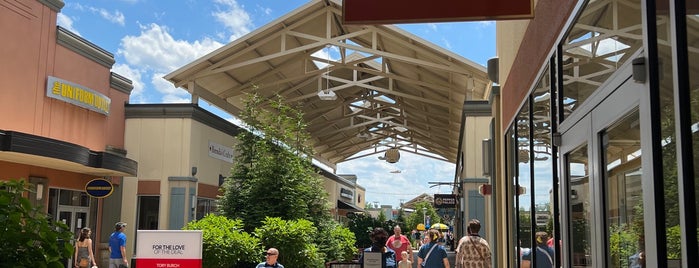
78	95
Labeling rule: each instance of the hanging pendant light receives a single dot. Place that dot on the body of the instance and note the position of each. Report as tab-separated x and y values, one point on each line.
325	93
392	155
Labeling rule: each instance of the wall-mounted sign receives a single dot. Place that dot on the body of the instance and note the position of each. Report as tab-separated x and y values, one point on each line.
99	188
444	200
77	95
169	248
485	189
221	152
346	193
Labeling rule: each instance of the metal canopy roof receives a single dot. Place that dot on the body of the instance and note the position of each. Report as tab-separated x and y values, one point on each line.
393	89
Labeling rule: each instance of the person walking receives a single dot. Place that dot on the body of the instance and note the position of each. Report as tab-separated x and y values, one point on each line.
271	257
405	261
378	237
432	254
473	250
117	247
544	253
400	243
83	250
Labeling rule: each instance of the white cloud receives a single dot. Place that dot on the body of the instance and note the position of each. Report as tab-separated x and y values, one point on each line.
486	23
154	53
432	26
115	17
234	18
155	49
447	44
388	188
66	22
267	11
175	99
169	93
137	94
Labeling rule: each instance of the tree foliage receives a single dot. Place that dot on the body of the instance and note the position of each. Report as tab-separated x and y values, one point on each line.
418	217
273	175
294	240
335	241
224	242
361	225
29	237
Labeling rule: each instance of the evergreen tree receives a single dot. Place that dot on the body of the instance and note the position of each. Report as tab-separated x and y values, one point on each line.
273	175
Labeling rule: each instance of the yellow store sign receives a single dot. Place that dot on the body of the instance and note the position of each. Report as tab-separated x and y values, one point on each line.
78	95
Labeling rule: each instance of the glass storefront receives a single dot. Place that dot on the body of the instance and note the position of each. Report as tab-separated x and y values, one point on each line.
618	207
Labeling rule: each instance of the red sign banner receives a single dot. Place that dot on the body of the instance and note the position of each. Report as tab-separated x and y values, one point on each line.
168	263
414	11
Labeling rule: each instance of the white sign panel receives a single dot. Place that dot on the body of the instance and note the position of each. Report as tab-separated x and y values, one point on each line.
221	152
169	244
372	259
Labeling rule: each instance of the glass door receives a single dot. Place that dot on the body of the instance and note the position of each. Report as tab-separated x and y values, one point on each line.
576	206
76	218
601	170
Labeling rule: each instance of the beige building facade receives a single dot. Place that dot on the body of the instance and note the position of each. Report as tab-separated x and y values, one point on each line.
185	152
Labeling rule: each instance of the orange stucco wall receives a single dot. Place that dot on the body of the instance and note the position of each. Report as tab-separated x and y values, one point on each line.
30	54
540	37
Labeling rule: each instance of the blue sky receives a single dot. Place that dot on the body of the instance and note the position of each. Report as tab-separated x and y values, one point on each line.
149	39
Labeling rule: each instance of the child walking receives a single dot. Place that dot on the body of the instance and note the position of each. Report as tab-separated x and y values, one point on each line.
405	262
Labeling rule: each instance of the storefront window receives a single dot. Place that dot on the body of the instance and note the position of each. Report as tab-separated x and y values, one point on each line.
205	206
668	137
148	208
605	36
524	211
621	145
543	159
578	176
693	69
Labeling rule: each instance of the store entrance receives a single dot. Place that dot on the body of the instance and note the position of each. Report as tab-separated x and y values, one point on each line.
72	208
601	156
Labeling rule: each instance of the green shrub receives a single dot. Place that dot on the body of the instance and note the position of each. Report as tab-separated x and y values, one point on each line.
336	242
295	241
225	244
361	225
28	237
674	242
623	242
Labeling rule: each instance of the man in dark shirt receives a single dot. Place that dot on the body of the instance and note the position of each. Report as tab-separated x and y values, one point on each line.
271	259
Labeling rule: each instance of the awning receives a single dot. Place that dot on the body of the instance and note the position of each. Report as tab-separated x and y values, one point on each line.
347	206
29	149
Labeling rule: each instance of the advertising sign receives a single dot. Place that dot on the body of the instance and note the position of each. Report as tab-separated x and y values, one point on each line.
444	200
221	152
373	259
413	11
99	188
168	248
77	95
